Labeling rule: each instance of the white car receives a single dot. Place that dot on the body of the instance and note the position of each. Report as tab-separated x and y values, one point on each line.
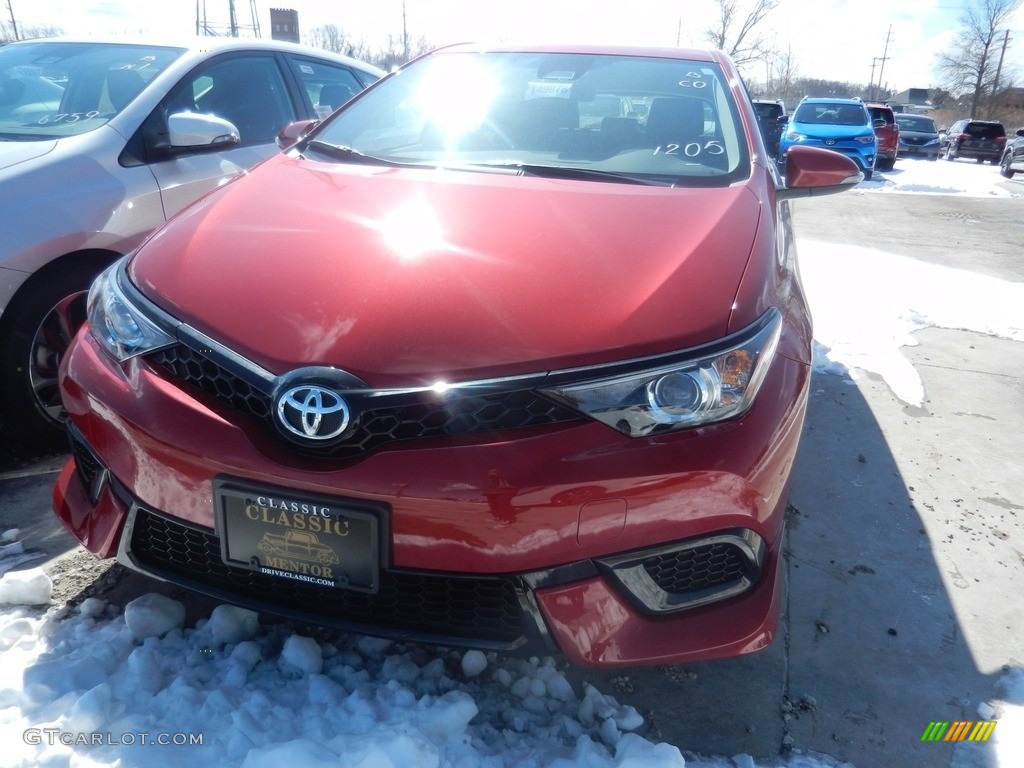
100	143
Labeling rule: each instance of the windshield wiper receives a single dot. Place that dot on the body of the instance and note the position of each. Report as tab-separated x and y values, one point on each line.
347	154
568	172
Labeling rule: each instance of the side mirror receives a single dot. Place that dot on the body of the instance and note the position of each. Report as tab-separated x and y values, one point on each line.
813	171
292	132
194	130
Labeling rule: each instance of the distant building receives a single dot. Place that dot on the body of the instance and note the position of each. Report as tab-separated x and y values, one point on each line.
284	25
912	100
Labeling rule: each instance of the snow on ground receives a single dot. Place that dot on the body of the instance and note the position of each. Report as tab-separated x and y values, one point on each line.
842	281
102	686
905	295
941	177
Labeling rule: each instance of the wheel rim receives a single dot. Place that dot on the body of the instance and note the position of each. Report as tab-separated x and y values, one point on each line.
49	345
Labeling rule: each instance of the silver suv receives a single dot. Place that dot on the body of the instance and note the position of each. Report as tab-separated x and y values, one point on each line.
100	143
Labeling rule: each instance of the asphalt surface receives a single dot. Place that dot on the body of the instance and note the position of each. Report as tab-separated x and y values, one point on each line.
905	543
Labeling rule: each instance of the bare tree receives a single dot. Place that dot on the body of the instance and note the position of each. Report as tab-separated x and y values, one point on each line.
970	66
780	72
736	33
27	33
329	37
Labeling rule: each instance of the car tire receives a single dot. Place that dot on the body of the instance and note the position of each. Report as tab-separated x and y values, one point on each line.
868	174
37	329
1004	167
981	161
949	153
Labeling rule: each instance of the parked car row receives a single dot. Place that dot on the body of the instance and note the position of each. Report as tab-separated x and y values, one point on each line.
874	136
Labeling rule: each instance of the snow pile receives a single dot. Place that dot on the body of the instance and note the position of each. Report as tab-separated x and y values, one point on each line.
25	587
866	304
13	553
268	697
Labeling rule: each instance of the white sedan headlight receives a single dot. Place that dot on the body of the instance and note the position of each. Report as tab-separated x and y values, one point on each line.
688	393
119	327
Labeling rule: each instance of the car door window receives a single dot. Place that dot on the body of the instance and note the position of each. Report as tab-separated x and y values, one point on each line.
327	86
247	90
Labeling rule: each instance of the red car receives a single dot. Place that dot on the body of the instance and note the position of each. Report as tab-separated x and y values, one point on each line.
517	335
887	131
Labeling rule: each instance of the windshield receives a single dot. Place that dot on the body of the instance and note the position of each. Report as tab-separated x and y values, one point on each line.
649	119
768	111
54	89
916	123
831	114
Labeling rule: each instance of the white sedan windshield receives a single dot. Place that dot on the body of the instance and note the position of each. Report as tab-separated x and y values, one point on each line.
54	89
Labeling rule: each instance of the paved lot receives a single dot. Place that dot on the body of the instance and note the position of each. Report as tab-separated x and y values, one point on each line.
905	544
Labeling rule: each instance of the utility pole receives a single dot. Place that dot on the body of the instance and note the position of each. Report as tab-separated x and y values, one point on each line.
405	35
14	24
999	69
885	55
871	87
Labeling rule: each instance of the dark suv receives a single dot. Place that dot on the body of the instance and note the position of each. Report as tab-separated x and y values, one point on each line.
888	133
1013	155
771	117
981	139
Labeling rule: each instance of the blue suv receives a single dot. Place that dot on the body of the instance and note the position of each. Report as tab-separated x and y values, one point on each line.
842	125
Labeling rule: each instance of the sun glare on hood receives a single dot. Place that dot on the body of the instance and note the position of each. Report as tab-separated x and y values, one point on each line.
412	230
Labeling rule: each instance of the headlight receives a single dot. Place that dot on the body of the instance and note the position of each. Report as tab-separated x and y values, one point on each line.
688	393
794	136
119	327
866	139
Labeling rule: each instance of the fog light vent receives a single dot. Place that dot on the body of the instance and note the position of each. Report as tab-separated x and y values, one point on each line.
690	573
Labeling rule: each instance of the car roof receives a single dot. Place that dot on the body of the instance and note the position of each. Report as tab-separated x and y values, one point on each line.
203	47
830	100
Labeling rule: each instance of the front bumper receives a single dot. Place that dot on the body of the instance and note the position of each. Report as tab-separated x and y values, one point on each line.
925	150
510	544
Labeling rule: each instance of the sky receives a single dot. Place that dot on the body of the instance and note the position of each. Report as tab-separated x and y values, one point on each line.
263	696
829	39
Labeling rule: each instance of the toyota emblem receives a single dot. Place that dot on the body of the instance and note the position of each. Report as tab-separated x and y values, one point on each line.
312	412
830	142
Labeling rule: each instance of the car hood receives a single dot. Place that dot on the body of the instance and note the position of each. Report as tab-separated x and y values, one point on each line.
836	131
401	276
14	152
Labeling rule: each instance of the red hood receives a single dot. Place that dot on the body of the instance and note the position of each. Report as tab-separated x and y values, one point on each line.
307	263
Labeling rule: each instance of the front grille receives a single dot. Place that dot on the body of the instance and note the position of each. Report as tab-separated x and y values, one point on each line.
419	416
692	570
204	374
480	608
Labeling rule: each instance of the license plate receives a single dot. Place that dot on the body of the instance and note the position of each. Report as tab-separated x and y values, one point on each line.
298	536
